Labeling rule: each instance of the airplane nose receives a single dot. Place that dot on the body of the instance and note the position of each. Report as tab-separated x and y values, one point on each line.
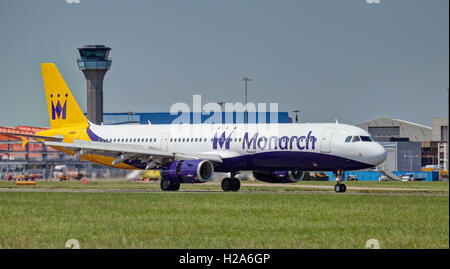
379	154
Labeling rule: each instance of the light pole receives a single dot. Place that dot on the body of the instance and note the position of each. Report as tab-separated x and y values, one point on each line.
222	114
246	80
296	114
221	103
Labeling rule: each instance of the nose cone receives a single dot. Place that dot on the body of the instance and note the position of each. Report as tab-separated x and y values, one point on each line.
378	154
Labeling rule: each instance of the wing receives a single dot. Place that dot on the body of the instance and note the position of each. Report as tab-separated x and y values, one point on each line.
123	152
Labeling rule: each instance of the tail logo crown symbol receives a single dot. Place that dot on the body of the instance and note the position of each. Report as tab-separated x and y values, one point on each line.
59	111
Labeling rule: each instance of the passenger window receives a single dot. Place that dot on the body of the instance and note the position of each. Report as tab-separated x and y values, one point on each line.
355	138
348	139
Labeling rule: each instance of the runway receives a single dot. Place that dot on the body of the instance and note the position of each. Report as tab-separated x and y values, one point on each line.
311	190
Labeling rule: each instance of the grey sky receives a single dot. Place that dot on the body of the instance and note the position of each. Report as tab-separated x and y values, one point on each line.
331	59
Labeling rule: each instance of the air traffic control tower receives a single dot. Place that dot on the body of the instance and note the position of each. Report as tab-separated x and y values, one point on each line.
94	63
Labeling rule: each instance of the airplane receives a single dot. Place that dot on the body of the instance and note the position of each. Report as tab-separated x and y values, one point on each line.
193	153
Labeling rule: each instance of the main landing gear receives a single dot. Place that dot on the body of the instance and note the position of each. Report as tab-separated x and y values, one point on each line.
168	185
231	184
339	187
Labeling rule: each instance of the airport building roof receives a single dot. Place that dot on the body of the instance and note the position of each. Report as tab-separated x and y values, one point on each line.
384	128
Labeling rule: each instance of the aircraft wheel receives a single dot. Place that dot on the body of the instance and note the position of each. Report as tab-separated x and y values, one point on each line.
337	188
175	186
236	184
227	184
343	188
165	184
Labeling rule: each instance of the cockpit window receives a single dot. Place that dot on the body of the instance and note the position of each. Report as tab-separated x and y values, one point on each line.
366	139
348	139
355	138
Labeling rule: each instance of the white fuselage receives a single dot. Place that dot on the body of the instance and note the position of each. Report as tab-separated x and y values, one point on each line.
306	146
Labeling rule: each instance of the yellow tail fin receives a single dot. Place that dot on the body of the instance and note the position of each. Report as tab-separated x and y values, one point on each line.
63	110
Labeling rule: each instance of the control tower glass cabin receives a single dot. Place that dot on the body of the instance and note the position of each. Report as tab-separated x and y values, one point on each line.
94	63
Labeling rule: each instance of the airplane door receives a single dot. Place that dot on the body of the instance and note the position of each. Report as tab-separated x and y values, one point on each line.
326	140
165	141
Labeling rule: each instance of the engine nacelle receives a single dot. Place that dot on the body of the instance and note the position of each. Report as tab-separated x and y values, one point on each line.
188	171
279	176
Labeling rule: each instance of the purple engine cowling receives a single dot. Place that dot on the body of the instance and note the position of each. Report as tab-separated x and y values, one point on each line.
279	176
188	171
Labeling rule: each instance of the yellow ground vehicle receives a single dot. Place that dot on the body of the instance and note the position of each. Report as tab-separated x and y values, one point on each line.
151	175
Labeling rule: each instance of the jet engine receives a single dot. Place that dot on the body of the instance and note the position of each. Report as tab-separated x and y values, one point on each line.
279	176
188	171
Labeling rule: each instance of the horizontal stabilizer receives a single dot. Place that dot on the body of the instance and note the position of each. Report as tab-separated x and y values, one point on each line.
35	137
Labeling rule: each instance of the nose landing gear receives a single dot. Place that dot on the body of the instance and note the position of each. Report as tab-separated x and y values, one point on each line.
339	187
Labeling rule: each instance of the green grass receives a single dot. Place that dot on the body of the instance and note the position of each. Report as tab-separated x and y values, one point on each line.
222	220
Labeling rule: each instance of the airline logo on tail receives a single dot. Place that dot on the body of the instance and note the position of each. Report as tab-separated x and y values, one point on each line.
62	112
59	111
